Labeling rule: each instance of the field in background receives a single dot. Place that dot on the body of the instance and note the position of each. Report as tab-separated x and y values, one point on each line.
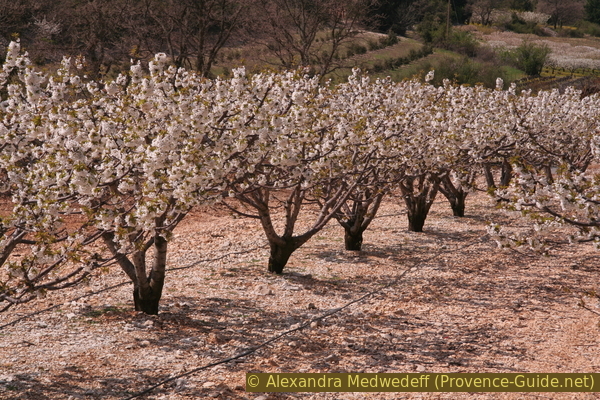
573	61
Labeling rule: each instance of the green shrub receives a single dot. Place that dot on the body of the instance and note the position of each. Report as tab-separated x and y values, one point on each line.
575	33
356	48
467	71
528	57
378	67
589	28
464	43
518	25
373	45
390	40
531	57
541	31
400	61
431	30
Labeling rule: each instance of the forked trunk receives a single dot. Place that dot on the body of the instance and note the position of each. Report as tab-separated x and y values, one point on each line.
356	216
455	195
146	295
505	175
147	290
419	200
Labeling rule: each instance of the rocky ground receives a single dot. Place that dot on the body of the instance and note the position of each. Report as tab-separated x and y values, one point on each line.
447	300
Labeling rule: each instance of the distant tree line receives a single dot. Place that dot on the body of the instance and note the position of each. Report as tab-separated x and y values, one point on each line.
401	15
287	34
111	33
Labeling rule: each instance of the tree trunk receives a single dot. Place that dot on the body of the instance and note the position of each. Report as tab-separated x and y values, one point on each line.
147	302
280	254
419	203
458	205
418	208
506	173
548	173
147	291
456	196
147	296
353	239
416	217
356	218
489	176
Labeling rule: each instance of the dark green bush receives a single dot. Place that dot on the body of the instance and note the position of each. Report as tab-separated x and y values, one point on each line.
390	40
373	45
378	67
467	71
518	25
575	33
589	28
530	57
431	30
463	42
356	48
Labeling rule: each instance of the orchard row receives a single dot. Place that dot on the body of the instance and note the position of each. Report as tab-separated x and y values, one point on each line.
124	161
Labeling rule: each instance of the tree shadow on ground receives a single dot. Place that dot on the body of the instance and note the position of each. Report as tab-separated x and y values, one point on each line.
453	323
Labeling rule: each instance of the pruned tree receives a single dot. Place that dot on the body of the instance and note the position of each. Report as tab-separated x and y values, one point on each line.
363	110
553	183
162	145
424	142
310	158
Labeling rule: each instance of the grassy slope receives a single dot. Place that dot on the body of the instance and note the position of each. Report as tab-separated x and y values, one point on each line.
257	59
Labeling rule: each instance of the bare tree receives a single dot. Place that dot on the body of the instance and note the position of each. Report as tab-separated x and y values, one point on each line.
194	31
562	11
482	10
14	17
408	14
302	33
96	29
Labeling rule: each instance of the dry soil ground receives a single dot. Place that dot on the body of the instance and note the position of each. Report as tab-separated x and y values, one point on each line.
458	305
